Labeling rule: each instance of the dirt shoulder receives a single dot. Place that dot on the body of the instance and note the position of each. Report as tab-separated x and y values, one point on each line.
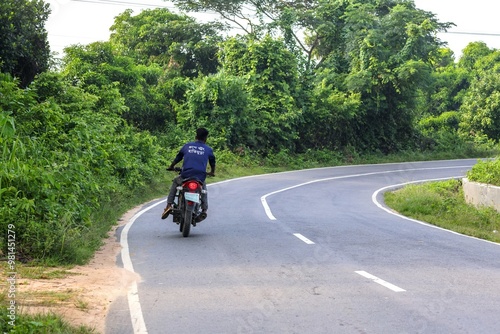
83	296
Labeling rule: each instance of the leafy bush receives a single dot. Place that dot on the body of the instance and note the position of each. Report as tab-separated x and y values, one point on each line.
447	121
486	171
62	162
220	104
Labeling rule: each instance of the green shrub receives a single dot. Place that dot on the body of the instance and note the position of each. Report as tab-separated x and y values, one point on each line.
62	164
486	171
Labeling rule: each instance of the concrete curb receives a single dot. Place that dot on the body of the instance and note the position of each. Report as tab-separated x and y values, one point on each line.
481	194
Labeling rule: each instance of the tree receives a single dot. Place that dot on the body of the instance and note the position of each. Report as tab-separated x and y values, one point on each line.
382	50
388	64
271	80
24	49
101	70
221	104
246	15
481	104
167	39
62	161
290	19
471	53
331	119
448	84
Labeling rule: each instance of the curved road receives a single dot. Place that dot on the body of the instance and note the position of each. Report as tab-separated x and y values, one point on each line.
310	251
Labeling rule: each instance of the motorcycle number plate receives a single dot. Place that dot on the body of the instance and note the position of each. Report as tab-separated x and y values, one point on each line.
193	197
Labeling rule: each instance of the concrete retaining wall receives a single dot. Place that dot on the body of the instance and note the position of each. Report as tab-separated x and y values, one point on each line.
480	194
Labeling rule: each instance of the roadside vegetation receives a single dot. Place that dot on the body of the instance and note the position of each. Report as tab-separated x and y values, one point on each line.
443	204
41	323
87	136
486	171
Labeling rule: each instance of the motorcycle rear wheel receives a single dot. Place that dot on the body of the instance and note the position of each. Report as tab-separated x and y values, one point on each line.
188	218
181	213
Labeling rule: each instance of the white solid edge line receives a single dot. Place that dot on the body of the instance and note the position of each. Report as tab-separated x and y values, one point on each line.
138	324
301	237
270	215
380	281
267	209
395	186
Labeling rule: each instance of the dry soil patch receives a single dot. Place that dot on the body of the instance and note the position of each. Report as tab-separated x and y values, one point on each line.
84	296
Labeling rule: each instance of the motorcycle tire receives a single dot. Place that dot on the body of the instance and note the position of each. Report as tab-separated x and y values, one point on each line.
188	218
181	213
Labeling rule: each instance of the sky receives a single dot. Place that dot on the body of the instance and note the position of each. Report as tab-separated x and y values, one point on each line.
87	21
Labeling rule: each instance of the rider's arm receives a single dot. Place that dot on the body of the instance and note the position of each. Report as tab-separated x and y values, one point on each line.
211	161
176	160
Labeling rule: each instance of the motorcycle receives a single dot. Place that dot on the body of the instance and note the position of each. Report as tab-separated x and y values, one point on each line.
186	209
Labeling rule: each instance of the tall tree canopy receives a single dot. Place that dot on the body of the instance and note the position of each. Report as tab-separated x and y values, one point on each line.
481	103
270	72
24	49
99	69
168	39
390	45
379	52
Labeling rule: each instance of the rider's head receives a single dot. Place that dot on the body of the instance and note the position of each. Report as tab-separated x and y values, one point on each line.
201	134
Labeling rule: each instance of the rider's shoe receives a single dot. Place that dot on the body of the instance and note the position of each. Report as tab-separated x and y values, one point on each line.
167	211
202	216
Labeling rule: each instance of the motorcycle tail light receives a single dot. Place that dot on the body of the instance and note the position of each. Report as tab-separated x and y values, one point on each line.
192	186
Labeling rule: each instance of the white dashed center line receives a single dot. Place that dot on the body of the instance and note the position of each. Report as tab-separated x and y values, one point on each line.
301	237
380	281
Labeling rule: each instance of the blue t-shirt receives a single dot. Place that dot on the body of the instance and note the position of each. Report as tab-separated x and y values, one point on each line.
196	156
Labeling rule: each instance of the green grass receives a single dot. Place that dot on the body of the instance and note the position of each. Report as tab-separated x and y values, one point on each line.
40	271
443	204
40	324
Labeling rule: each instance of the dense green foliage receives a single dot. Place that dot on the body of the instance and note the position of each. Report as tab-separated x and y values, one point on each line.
24	48
62	160
271	80
366	78
167	39
486	171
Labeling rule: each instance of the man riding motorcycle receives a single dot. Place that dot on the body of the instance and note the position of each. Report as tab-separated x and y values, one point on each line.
197	155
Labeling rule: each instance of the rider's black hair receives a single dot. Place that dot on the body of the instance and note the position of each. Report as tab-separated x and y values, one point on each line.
201	134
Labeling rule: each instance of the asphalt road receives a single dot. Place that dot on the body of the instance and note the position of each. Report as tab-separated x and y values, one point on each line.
310	251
